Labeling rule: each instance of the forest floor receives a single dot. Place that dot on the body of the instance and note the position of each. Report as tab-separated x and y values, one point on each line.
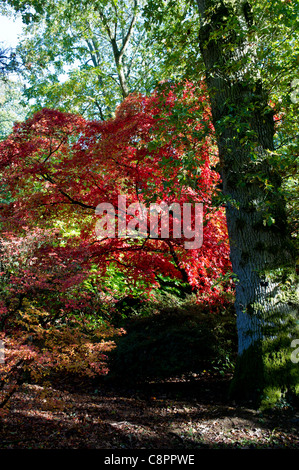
174	414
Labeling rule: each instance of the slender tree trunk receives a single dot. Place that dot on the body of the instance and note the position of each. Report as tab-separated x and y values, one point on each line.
122	78
260	245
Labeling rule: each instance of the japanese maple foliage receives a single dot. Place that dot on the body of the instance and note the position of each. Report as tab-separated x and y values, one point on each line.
57	168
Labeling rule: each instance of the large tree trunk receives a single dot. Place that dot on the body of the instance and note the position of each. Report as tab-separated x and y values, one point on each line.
260	245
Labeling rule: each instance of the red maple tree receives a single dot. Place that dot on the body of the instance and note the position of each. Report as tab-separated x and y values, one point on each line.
57	168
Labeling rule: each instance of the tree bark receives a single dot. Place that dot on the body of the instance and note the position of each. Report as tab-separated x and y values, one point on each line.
118	52
260	245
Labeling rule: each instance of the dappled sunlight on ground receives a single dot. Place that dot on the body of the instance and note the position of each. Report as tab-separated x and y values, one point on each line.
153	417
